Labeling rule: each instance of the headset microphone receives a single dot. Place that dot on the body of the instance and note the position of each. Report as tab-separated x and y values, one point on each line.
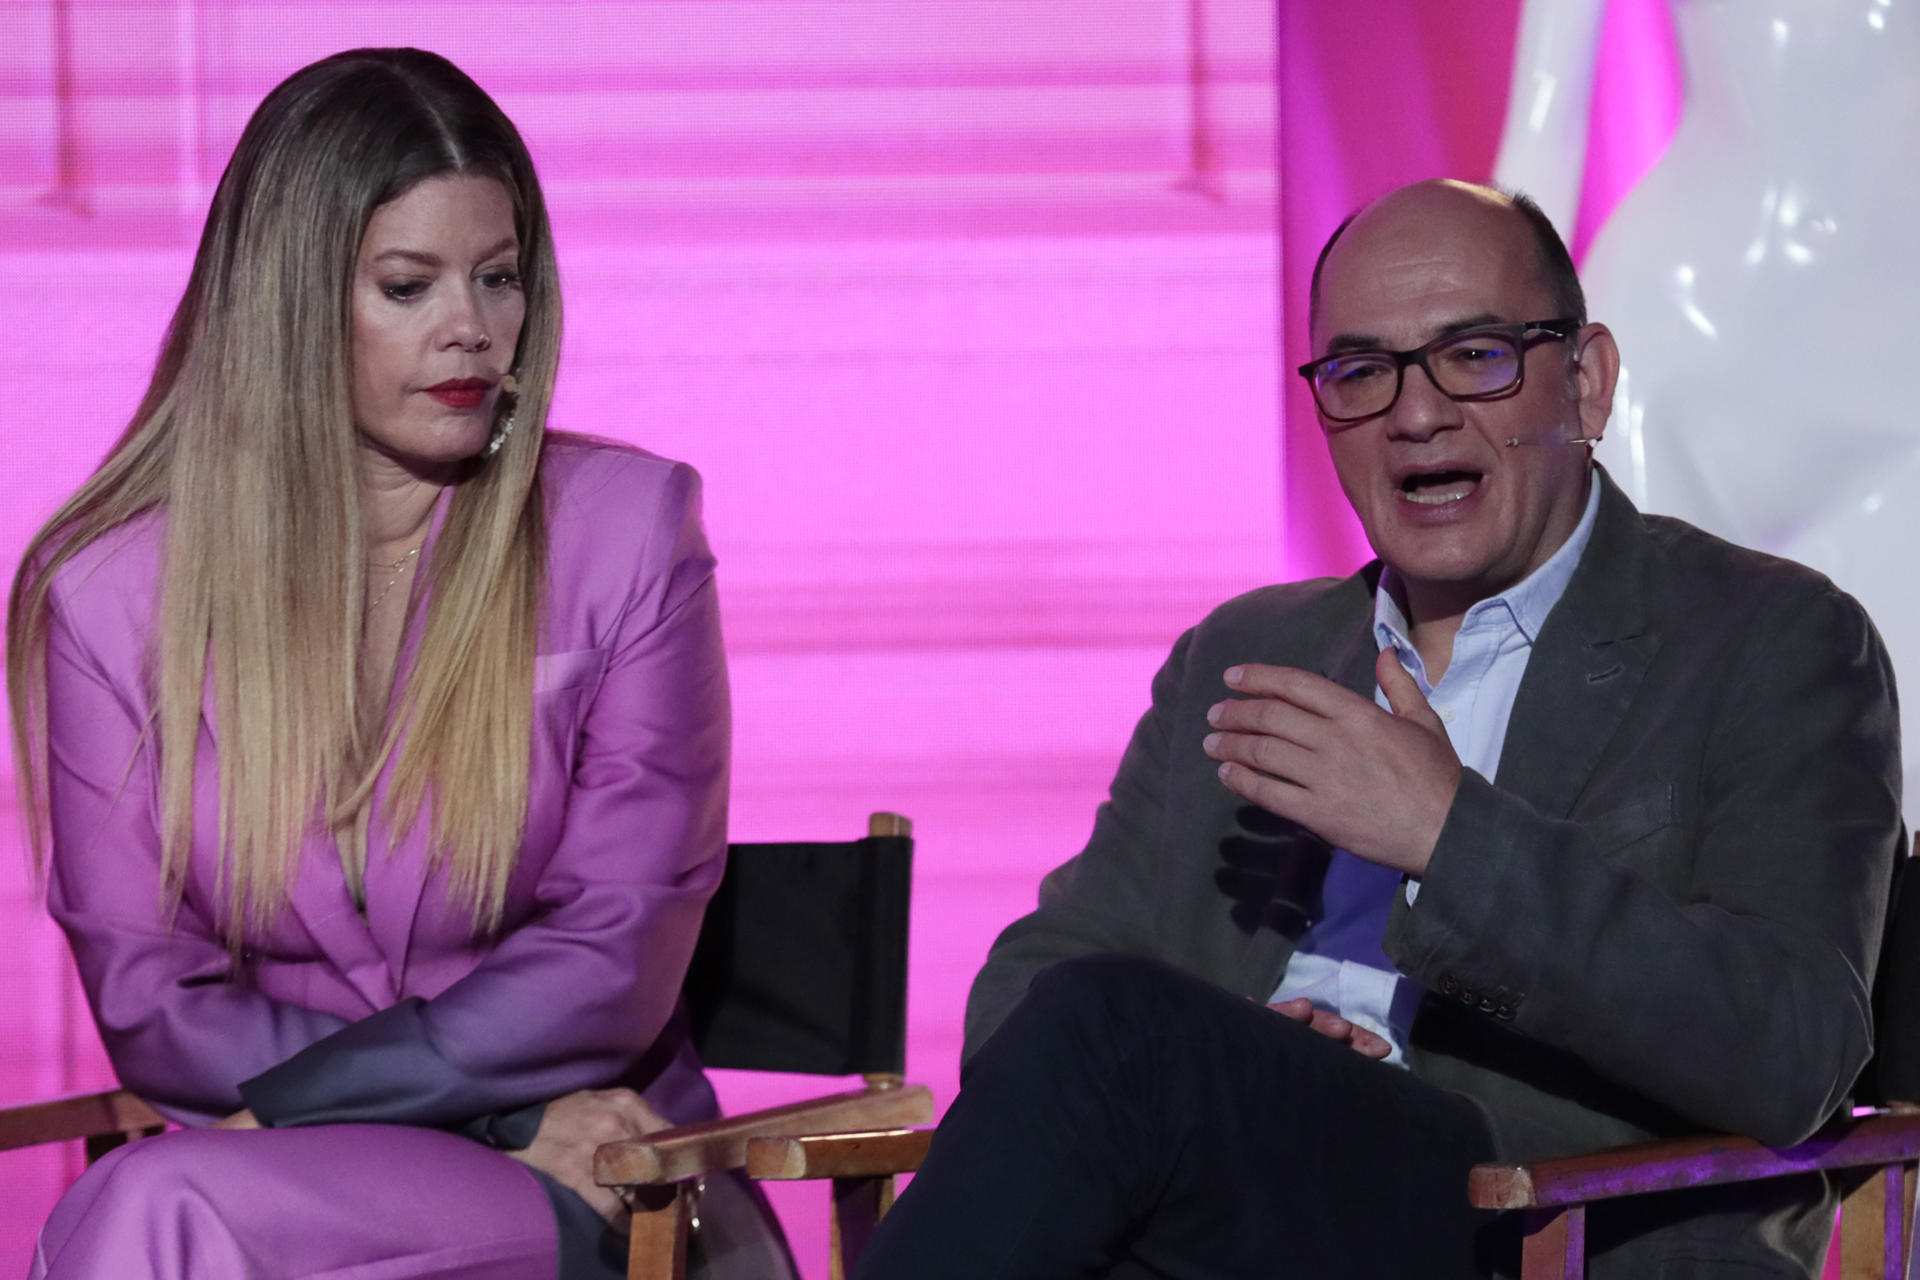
1516	442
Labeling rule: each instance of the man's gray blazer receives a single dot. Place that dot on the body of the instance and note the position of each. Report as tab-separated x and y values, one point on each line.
1662	914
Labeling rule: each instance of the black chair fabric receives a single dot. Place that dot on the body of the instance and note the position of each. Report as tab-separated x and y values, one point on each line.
1894	1073
802	961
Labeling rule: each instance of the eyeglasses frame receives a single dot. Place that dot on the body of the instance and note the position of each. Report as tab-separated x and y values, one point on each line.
1562	328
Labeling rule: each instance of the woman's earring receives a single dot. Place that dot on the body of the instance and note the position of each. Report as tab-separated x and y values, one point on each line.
509	386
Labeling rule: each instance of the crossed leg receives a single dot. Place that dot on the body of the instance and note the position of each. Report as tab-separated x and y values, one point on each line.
1129	1117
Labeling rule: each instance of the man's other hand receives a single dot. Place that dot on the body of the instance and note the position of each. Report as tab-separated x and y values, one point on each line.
1334	1027
1375	783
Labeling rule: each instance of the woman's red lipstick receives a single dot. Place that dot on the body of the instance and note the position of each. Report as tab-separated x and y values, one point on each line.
461	393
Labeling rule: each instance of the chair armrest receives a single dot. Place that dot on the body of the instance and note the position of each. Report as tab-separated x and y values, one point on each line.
86	1115
838	1155
673	1155
1880	1139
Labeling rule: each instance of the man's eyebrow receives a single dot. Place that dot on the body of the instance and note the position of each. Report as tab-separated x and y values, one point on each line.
1355	342
1345	342
1465	323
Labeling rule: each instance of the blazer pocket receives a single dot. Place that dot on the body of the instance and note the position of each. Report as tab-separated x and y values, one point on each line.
553	672
1640	816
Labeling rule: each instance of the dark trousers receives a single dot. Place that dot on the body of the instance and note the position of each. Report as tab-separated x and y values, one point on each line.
1129	1119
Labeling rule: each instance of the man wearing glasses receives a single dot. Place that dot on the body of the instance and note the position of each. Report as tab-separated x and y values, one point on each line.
1559	827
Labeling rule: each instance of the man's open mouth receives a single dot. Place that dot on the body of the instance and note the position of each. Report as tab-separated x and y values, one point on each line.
1437	488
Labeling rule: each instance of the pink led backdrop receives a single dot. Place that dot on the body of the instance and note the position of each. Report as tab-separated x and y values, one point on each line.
968	310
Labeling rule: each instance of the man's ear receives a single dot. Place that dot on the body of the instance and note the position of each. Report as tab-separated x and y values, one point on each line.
1596	370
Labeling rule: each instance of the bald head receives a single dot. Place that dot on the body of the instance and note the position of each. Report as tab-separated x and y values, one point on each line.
1463	493
1446	199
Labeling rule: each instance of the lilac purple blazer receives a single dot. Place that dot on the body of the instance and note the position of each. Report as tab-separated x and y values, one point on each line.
399	1014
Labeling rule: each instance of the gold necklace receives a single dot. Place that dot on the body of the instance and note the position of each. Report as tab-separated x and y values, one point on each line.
397	568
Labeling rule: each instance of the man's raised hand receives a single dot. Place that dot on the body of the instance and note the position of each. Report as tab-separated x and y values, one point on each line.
1376	783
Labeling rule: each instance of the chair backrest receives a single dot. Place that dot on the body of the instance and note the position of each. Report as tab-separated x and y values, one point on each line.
1894	1073
802	960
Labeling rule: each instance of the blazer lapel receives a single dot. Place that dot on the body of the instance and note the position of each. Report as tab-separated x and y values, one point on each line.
1348	661
1587	666
325	907
396	876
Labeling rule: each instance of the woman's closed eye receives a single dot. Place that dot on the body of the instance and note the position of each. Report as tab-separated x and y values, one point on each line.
404	290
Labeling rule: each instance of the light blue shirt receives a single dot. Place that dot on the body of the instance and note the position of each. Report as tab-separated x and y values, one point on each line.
1338	963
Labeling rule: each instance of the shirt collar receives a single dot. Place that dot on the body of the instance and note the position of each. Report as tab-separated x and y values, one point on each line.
1527	602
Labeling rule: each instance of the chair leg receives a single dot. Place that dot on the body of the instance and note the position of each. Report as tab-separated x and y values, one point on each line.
662	1220
1913	1223
1893	1194
858	1206
100	1143
1863	1230
1554	1246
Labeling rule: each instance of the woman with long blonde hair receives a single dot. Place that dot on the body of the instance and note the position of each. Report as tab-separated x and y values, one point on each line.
374	738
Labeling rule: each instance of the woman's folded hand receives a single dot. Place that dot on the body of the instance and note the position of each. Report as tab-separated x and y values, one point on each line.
574	1126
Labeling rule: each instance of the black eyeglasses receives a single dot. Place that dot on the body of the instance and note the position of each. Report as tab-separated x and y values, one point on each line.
1474	364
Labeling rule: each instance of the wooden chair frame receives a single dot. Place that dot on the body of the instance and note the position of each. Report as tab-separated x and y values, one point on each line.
661	1176
862	1167
861	1140
1552	1195
1875	1222
812	1140
102	1121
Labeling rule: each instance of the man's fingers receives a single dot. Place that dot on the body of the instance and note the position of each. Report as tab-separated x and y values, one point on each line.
1331	1024
1303	689
1358	1037
1403	692
1273	756
1334	1027
1373	1046
1270	717
1275	795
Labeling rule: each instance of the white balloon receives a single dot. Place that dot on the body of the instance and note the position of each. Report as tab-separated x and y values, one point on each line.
1764	284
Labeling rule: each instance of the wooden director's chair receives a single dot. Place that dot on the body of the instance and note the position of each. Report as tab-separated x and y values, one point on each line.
1878	1145
800	967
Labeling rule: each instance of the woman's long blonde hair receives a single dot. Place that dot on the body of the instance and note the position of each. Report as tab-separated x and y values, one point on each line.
245	440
